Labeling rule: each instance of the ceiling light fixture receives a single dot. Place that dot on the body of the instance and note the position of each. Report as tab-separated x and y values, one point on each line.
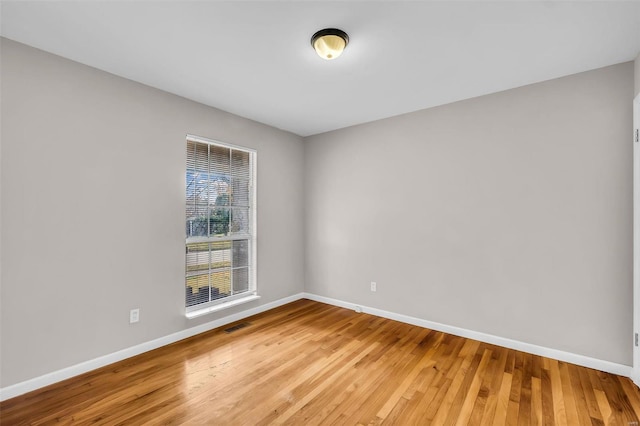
329	43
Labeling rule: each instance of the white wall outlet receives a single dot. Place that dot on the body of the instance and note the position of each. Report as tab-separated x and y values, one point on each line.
374	286
134	315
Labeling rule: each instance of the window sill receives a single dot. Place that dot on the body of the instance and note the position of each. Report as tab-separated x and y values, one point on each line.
220	307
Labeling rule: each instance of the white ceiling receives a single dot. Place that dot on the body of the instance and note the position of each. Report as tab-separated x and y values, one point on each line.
254	59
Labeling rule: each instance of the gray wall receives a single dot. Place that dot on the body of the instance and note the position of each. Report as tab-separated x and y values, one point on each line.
637	75
508	214
92	191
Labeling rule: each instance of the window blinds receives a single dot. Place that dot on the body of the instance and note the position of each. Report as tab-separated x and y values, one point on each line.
219	223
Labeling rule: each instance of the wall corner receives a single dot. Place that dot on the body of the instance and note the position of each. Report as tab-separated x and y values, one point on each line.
636	74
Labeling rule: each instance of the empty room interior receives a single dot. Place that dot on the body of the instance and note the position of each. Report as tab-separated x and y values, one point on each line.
306	212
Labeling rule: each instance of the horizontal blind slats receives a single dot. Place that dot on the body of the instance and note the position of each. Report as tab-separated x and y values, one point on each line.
218	205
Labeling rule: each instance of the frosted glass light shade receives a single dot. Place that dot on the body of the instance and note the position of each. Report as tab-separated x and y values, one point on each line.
329	43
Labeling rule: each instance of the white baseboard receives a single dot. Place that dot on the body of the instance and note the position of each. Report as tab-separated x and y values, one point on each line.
635	377
585	361
84	367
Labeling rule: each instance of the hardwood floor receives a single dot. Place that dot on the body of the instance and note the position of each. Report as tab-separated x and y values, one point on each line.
308	363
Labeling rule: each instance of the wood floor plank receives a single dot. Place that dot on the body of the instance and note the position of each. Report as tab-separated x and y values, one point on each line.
605	408
628	389
524	409
568	395
447	367
592	402
409	378
362	384
311	363
559	411
425	393
471	393
536	402
374	400
513	408
581	405
505	390
469	365
494	382
618	401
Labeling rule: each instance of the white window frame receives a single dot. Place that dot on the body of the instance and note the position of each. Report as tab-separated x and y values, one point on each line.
252	293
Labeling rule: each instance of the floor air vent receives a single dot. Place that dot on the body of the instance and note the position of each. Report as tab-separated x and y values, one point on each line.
236	327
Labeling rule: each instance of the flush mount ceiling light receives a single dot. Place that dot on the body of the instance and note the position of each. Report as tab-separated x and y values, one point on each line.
329	43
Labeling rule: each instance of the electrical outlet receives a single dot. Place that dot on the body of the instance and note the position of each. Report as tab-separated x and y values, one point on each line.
134	315
374	286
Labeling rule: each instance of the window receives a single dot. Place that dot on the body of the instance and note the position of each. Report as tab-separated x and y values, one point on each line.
220	223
